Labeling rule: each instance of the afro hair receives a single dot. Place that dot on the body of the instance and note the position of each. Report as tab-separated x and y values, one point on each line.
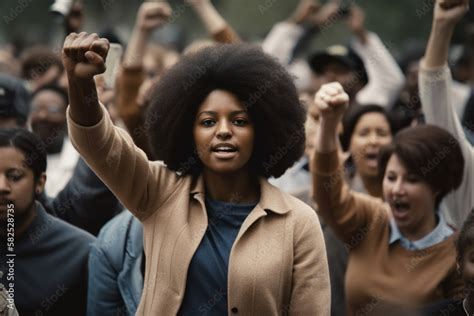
263	86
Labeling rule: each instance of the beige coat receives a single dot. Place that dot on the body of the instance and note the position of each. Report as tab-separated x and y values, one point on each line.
277	264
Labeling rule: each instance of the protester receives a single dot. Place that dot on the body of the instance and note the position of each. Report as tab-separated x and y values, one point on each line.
116	272
225	145
380	71
133	85
48	121
407	257
50	256
83	193
365	130
438	102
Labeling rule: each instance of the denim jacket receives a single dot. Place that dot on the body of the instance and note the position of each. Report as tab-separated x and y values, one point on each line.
115	276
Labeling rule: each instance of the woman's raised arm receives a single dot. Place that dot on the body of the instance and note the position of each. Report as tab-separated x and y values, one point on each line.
84	57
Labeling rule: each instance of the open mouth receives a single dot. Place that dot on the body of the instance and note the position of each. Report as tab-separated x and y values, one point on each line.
224	151
372	159
400	209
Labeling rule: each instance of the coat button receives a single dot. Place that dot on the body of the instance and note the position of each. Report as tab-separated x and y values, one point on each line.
234	310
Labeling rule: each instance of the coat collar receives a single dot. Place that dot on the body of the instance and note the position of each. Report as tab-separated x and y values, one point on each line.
271	198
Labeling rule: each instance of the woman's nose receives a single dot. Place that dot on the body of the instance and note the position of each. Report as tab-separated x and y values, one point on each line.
398	187
223	130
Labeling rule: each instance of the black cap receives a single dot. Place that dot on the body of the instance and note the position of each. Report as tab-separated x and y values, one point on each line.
14	98
337	54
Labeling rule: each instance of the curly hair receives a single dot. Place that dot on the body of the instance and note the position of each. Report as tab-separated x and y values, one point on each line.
429	152
263	86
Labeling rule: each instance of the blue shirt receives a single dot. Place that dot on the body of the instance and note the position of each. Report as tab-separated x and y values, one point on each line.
206	284
440	233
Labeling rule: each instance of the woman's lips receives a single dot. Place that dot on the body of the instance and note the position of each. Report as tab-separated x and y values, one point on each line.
225	154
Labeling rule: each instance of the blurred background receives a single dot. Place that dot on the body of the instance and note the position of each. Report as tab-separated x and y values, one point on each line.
399	23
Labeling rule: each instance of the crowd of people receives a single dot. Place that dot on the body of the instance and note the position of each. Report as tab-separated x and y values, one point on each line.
235	178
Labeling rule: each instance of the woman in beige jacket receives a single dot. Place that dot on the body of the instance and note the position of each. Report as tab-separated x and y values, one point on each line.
218	238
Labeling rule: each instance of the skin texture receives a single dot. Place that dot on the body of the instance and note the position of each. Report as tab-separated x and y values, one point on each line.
48	119
222	118
417	219
371	132
18	187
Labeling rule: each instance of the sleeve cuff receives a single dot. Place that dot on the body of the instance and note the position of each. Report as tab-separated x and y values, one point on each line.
430	70
81	135
434	74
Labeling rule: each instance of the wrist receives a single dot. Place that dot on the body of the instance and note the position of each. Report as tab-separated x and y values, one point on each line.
77	82
444	27
329	125
142	30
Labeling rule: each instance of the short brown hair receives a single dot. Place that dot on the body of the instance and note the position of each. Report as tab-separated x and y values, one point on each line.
429	152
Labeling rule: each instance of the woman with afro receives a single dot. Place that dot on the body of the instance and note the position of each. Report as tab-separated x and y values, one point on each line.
218	238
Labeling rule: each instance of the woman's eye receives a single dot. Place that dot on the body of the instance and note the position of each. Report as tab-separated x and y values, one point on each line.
391	178
207	122
413	179
240	122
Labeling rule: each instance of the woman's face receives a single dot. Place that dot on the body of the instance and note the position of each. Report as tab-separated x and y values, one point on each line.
17	184
223	133
371	132
411	199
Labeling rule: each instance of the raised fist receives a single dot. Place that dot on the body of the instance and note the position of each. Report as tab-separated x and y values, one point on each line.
331	101
152	15
449	12
84	55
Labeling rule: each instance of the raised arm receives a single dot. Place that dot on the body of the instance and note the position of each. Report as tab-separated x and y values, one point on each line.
215	24
140	186
83	58
385	77
435	85
286	35
447	13
150	16
347	213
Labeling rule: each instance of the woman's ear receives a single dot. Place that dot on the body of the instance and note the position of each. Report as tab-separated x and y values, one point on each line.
40	183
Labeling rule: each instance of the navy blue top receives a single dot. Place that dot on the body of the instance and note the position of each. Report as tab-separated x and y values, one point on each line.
206	284
50	267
